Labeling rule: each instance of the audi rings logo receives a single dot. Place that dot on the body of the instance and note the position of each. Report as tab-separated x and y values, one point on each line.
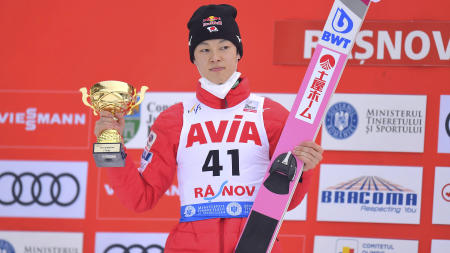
43	189
135	248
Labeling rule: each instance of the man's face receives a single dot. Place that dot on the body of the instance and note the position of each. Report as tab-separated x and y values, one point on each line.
216	59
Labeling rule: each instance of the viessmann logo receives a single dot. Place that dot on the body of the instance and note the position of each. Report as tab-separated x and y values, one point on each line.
43	119
373	193
31	118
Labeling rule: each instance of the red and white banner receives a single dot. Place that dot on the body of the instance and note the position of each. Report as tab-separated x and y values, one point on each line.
382	43
44	119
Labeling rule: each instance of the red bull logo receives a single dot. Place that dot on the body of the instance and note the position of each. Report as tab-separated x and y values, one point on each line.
211	20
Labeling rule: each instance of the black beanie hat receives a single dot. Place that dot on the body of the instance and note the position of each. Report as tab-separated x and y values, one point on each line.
213	22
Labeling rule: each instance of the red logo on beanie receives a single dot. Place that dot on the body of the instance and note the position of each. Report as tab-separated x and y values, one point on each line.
211	20
212	29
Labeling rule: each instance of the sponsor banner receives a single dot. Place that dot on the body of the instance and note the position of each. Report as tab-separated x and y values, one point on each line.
441	199
444	125
375	122
382	43
168	207
137	126
320	79
110	207
130	242
369	193
298	213
43	189
440	246
222	209
18	241
44	119
334	244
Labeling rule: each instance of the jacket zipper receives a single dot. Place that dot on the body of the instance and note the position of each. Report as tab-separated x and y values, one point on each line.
224	103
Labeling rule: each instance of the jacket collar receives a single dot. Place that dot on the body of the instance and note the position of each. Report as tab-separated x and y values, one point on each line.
234	96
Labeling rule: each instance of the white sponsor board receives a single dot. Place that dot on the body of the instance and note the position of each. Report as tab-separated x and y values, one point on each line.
18	241
334	244
369	193
298	213
375	122
43	189
156	102
441	200
444	125
130	242
440	246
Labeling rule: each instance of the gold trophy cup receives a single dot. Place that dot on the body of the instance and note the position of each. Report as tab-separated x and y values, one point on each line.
115	97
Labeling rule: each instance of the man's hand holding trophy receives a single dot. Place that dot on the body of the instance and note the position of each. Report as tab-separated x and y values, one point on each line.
117	98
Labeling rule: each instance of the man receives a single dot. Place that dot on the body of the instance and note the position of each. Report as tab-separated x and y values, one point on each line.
219	144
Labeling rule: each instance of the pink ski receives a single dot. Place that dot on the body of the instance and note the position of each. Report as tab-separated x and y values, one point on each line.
305	118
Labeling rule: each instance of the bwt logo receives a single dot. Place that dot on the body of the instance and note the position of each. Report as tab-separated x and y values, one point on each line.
135	248
342	23
369	190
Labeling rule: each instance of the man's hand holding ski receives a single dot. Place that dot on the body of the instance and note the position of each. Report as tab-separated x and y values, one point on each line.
310	153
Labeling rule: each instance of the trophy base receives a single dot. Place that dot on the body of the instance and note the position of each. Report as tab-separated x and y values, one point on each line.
109	155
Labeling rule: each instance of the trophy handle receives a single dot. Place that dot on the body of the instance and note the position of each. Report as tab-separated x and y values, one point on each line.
84	98
141	98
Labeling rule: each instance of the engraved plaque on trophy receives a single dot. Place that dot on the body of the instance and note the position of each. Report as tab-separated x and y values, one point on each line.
115	97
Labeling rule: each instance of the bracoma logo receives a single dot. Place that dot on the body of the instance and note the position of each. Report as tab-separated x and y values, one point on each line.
373	193
132	123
